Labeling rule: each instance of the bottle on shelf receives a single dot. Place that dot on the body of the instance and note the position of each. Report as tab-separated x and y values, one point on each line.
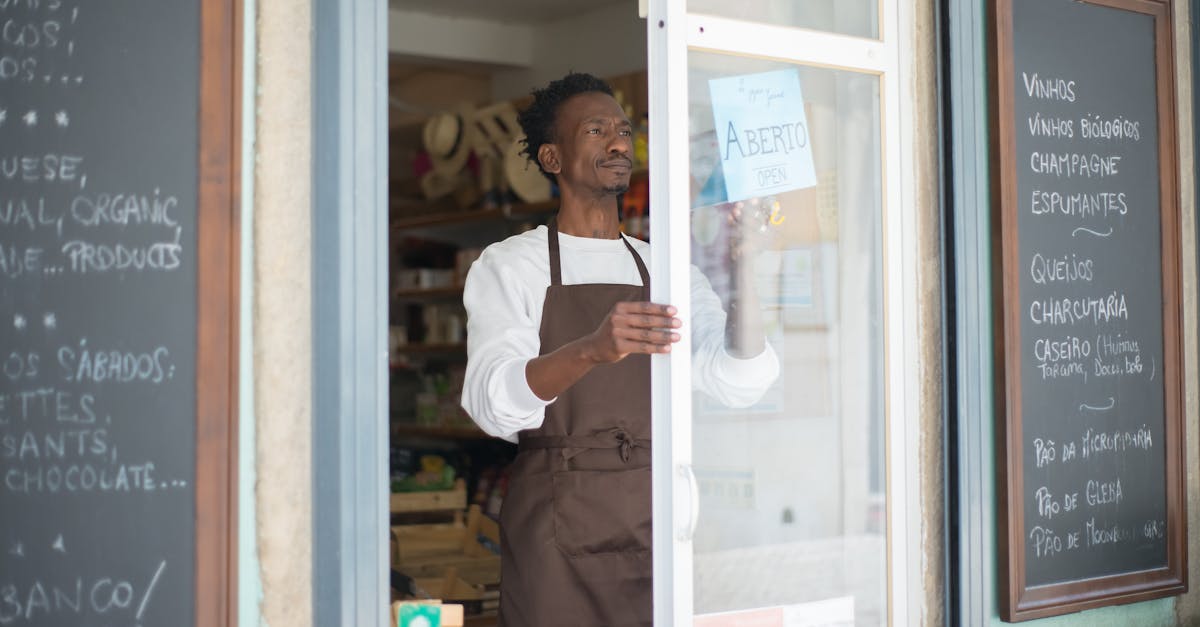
641	144
635	209
427	403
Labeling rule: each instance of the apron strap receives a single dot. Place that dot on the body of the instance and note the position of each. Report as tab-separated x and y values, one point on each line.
552	240
641	265
556	263
615	438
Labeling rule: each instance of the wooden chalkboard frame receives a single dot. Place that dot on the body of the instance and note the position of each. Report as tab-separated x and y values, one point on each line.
217	301
1019	601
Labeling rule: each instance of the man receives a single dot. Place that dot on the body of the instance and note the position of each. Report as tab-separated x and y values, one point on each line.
560	333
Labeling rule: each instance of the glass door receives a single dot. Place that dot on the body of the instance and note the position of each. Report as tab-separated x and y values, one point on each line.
780	443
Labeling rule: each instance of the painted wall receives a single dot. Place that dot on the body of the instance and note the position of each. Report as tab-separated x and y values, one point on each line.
1187	607
282	316
922	152
610	41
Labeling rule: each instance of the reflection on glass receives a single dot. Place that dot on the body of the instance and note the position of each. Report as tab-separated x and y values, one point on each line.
792	489
858	18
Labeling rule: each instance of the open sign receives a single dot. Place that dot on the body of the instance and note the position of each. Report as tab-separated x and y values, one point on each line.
762	134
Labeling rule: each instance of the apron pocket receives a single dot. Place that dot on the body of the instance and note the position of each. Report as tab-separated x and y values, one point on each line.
602	511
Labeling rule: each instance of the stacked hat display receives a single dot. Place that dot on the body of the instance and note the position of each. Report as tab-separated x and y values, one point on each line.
449	137
524	178
493	135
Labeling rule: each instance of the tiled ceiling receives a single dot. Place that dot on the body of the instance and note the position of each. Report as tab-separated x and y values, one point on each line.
508	11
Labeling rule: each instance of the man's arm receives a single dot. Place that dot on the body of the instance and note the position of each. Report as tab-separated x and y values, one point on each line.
717	370
744	332
502	334
631	327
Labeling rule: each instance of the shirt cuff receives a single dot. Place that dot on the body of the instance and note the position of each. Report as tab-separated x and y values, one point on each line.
748	373
524	401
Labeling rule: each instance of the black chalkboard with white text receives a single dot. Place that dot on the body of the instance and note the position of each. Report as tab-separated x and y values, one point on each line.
98	300
1090	425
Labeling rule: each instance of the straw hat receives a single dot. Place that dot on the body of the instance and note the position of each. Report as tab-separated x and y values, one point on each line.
524	177
448	136
496	126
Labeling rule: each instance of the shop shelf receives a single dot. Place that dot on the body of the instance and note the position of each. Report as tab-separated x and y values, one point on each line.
428	293
464	432
432	348
477	215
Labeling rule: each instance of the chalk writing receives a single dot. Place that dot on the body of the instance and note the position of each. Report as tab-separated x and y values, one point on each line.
16	261
43	168
98	301
1096	442
1097	127
1103	492
1044	451
125	209
60	444
1068	268
1078	204
29	214
1090	318
1112	402
47	403
1045	541
84	363
1066	311
106	597
1088	231
1047	126
80	478
1048	88
91	257
1074	164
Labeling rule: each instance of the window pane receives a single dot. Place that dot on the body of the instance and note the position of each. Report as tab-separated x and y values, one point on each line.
858	18
786	227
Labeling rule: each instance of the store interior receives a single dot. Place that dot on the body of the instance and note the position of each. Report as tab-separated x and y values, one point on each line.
458	71
769	532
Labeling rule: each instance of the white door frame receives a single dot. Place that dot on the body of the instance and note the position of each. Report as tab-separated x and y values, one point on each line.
671	32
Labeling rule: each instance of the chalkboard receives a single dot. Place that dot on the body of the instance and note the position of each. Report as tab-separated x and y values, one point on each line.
1089	421
102	259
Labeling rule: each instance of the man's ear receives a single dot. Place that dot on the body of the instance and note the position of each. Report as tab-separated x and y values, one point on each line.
548	157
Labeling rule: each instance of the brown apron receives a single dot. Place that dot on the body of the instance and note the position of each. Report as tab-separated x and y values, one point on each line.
575	523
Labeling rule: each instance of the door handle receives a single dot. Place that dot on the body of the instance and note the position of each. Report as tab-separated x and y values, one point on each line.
688	531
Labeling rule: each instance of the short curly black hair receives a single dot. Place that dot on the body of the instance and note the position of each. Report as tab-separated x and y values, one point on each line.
538	119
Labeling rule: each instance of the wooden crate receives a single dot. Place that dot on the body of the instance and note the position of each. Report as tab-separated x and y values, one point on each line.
445	544
476	599
423	551
454	499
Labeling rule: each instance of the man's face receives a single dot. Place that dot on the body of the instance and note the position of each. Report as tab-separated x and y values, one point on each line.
593	143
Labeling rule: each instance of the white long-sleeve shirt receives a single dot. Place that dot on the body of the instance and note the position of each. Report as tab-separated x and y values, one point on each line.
504	293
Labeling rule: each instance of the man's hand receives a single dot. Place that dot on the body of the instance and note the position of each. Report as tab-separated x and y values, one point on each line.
749	234
633	327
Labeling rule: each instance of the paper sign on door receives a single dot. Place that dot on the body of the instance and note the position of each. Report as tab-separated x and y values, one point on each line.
762	134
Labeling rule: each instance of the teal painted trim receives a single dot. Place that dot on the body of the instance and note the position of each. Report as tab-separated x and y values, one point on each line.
1159	613
965	164
249	579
